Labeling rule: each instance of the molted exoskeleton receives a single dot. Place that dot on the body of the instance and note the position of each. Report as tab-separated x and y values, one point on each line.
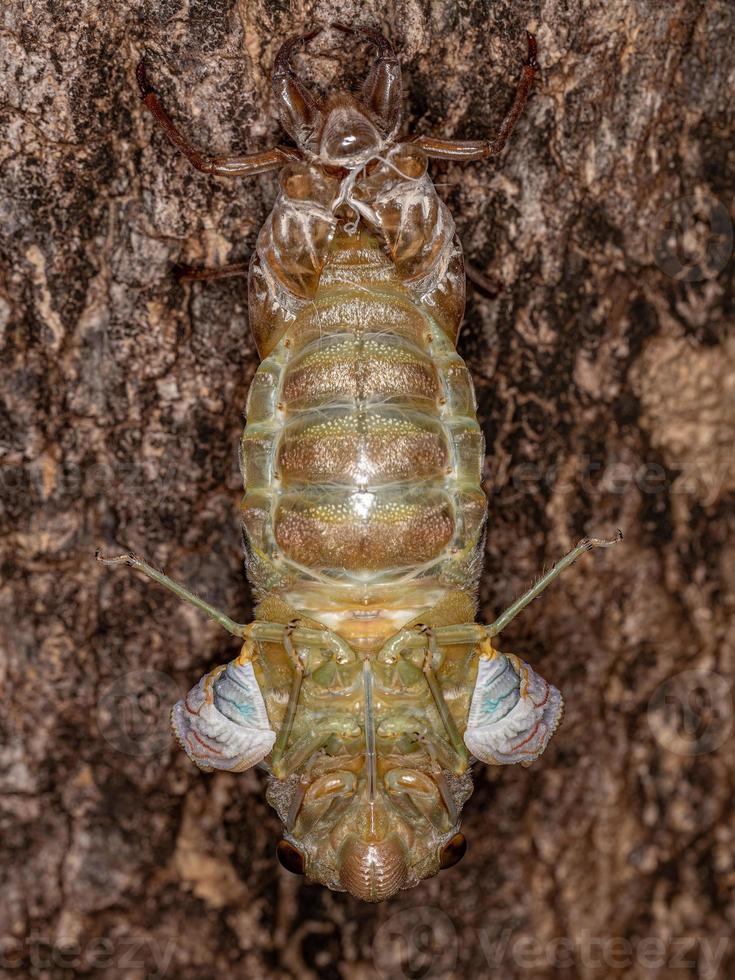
391	195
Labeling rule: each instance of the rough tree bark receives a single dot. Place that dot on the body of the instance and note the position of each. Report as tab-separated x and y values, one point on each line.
606	380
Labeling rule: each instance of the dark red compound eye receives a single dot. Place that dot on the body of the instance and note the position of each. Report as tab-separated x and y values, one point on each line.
453	851
291	858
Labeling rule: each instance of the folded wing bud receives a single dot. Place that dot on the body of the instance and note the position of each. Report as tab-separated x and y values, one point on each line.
513	713
222	722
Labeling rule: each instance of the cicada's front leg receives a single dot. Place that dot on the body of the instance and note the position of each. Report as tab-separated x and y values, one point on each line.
464	150
190	273
245	165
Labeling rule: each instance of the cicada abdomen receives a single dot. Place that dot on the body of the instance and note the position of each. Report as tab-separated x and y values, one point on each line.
364	687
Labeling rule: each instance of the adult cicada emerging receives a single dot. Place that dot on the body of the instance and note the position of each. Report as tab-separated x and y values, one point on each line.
364	687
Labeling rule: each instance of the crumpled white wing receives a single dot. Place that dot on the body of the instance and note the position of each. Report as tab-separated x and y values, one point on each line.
513	712
222	722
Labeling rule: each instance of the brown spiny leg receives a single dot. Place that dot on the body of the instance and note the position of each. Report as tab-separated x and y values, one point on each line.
298	109
226	166
382	88
480	149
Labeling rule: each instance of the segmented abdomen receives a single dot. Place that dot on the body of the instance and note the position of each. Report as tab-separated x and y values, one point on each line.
362	454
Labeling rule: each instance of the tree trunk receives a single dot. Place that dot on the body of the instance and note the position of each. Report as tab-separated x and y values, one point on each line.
605	377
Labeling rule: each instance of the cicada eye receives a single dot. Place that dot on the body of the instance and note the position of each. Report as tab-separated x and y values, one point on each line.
453	851
290	857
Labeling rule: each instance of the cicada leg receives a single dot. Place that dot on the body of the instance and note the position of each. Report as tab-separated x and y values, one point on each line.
446	755
303	748
286	758
586	544
236	629
455	739
452	751
416	729
293	700
244	165
440	149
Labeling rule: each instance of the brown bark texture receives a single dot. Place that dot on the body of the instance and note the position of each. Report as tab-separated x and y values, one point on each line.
605	373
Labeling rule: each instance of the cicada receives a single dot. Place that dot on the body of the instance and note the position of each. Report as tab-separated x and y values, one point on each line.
364	687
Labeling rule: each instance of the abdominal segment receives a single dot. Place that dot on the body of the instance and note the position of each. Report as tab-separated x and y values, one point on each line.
364	531
362	448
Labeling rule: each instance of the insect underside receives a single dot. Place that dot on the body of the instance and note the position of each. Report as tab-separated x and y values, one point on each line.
363	687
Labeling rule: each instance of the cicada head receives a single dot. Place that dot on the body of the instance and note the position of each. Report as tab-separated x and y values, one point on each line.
371	848
341	131
373	870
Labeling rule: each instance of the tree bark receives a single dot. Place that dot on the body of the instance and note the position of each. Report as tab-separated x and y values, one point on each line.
605	377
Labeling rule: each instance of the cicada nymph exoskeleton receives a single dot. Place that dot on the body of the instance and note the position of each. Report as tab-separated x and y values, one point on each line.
363	687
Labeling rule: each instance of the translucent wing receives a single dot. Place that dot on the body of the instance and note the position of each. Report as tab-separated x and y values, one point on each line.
222	722
513	712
